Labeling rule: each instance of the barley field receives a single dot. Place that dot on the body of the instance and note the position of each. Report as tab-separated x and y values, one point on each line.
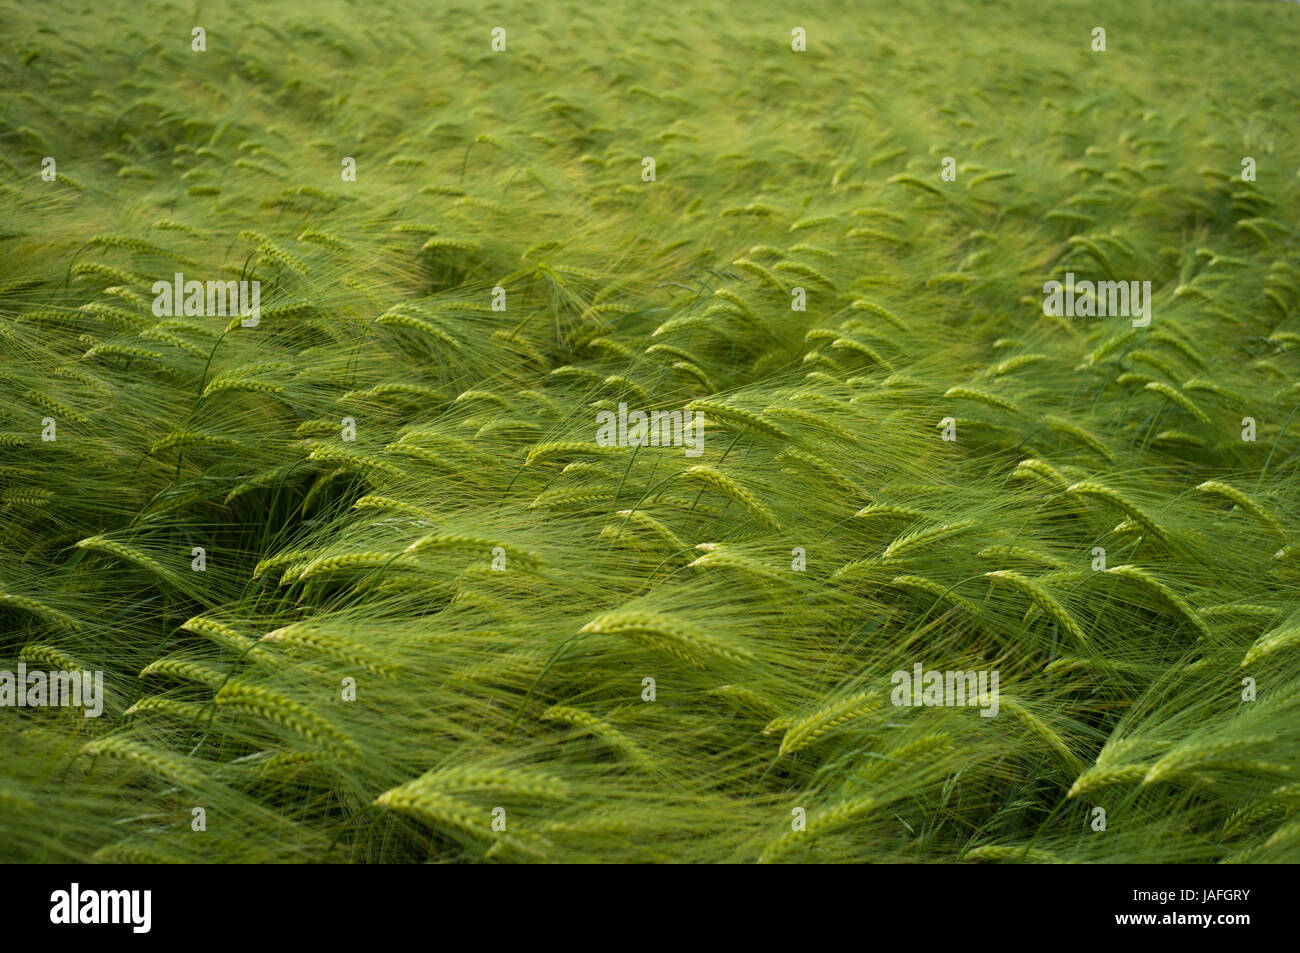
579	432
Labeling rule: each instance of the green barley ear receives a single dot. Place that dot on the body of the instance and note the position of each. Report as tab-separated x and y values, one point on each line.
602	729
682	640
1098	777
39	609
811	727
734	416
457	816
188	713
1223	755
935	591
1039	728
821	823
900	547
1275	640
1165	592
1015	855
729	487
1094	490
1246	504
176	769
305	636
129	555
192	671
1042	599
51	657
237	698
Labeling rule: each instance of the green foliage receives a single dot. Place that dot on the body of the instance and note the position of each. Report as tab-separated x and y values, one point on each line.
498	585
